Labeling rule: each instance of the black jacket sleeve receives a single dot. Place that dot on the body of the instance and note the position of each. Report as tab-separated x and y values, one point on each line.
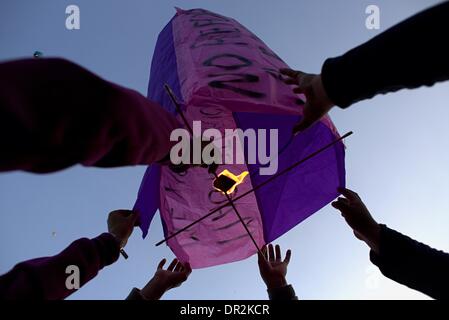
412	263
282	293
411	54
135	294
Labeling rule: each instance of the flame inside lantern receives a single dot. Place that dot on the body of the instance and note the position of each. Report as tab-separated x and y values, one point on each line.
226	181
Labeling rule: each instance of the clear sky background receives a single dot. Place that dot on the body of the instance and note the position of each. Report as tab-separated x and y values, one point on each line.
397	160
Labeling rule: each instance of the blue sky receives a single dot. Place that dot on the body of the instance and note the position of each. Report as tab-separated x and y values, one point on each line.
396	160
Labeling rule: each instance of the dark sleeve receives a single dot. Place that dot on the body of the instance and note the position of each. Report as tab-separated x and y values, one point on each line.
411	54
45	278
54	114
412	263
282	293
135	295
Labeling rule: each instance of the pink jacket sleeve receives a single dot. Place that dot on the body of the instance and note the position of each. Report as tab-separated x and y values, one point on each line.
45	278
54	114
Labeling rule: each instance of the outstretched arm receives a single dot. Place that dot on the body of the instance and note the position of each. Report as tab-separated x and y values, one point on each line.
412	263
54	114
411	54
398	257
48	278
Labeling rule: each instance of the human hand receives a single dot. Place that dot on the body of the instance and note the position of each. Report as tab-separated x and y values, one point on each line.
358	218
272	269
318	103
121	224
164	280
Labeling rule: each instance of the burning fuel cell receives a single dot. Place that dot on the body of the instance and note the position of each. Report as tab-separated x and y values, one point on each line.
226	181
